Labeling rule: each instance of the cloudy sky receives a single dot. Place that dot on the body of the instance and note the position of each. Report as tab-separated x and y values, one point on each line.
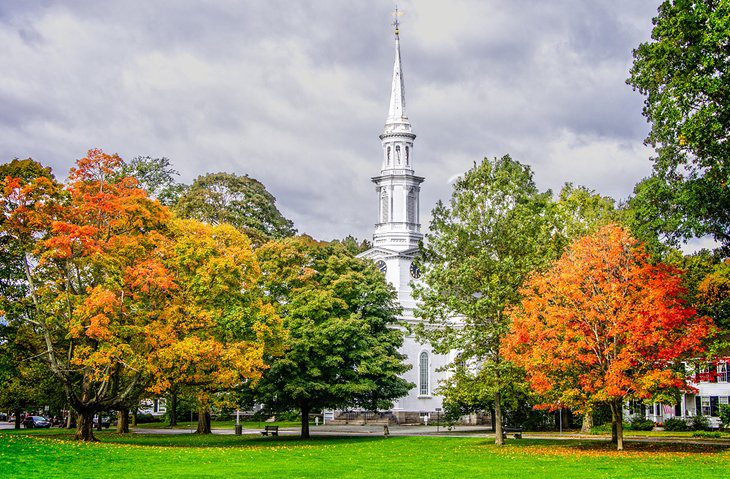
295	93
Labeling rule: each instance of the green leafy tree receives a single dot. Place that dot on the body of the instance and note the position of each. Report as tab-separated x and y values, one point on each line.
683	72
241	201
156	176
496	229
340	313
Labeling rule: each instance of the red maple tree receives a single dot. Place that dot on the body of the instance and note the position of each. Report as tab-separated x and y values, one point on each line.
604	324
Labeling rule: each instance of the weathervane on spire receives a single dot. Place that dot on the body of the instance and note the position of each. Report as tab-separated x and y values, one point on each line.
397	13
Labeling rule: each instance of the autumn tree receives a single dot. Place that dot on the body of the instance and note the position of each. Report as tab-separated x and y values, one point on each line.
241	201
683	73
714	300
603	325
495	230
215	330
343	334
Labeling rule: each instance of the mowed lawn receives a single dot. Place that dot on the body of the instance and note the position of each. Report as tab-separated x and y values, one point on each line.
39	454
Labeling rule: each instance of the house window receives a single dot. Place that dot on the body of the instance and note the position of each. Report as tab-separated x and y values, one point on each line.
705	402
722	373
424	373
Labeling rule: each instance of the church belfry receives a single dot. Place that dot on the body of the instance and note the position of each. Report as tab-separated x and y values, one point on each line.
398	188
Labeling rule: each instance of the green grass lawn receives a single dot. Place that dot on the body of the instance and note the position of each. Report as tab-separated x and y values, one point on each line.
41	454
221	424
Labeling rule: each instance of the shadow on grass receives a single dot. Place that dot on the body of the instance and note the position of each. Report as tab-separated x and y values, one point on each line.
195	440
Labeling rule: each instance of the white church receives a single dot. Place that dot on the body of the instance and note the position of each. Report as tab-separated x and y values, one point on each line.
395	244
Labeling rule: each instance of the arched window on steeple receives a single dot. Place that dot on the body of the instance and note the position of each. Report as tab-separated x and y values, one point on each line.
408	156
397	154
423	374
388	156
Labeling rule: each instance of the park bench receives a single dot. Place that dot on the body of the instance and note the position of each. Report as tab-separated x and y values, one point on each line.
273	430
517	431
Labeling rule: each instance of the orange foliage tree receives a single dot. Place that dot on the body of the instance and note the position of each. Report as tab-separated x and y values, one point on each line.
603	325
215	329
121	299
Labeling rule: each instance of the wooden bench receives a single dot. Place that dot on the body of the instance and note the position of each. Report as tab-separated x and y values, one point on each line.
517	431
273	430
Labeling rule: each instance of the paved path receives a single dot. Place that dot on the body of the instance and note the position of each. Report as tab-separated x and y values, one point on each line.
458	431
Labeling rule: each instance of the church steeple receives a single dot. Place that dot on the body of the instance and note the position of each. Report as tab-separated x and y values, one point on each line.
398	226
397	118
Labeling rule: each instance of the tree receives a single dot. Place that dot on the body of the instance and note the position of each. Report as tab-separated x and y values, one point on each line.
496	229
114	288
683	72
340	313
241	201
215	329
156	176
714	300
83	252
604	324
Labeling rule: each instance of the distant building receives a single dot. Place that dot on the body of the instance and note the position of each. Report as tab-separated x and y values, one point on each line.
713	390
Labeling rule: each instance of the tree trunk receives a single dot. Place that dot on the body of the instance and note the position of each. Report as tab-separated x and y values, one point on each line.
203	421
587	423
305	422
492	418
17	417
123	421
617	415
98	422
173	409
134	417
69	419
85	426
498	438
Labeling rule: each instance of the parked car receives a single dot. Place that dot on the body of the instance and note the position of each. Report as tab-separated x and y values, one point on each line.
31	422
105	421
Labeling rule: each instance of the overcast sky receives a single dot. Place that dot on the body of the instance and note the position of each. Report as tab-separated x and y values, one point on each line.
295	93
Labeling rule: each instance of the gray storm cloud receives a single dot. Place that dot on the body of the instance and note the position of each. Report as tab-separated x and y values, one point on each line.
296	94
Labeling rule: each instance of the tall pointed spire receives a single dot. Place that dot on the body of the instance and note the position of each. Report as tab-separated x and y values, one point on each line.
397	118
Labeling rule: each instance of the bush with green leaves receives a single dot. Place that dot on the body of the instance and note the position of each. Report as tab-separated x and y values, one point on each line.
714	434
676	424
639	423
700	423
724	414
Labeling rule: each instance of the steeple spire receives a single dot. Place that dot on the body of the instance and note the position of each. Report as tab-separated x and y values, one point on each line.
397	118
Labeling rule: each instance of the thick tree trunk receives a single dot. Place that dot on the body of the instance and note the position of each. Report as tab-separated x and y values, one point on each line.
587	423
498	438
69	419
123	421
203	421
85	426
617	414
17	417
305	422
173	409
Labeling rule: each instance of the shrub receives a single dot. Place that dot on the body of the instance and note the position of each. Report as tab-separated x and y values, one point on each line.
725	415
676	424
638	423
146	418
716	434
700	423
